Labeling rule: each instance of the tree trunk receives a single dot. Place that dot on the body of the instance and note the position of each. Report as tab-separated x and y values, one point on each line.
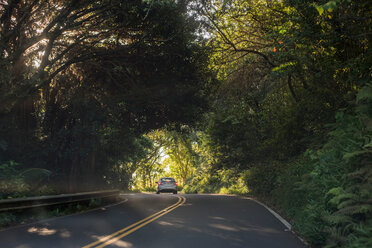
72	186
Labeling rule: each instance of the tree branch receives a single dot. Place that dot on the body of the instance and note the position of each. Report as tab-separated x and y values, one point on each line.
228	41
290	86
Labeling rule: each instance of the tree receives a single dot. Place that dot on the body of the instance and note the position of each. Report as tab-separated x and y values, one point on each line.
291	75
182	158
84	80
151	167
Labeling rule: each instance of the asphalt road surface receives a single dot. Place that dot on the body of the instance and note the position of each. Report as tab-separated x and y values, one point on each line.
165	220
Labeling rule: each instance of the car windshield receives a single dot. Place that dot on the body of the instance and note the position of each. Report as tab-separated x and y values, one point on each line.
167	179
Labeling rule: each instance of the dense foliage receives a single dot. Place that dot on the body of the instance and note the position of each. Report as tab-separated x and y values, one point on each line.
81	81
291	118
84	84
172	154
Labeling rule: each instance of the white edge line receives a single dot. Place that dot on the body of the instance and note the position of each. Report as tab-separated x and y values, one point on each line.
64	216
280	218
286	223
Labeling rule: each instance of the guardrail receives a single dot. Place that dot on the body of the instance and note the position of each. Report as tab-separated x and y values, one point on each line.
48	201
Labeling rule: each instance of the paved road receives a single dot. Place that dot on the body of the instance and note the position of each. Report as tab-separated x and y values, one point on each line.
149	220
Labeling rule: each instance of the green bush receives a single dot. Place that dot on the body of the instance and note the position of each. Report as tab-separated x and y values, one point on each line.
261	179
327	193
222	181
6	219
12	184
238	188
189	189
15	183
95	203
148	189
179	188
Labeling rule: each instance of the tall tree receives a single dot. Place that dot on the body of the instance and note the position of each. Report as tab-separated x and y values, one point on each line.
84	79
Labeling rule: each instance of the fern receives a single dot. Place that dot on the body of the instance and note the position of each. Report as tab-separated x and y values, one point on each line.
338	199
338	219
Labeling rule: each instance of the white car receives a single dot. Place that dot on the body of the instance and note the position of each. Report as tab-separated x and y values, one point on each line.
166	184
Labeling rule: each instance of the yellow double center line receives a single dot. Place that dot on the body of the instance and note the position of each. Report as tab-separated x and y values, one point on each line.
135	226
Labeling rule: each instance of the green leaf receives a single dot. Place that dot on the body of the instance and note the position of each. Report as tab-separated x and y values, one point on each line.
335	191
319	9
353	154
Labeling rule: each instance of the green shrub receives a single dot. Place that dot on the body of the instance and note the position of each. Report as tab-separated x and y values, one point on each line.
362	236
15	183
95	203
327	193
6	219
148	189
261	179
12	184
237	188
179	188
222	181
189	189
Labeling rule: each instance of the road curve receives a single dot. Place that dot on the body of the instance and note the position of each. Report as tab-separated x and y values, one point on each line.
166	220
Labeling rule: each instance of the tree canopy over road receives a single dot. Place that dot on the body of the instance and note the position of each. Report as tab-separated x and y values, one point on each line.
271	98
81	81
